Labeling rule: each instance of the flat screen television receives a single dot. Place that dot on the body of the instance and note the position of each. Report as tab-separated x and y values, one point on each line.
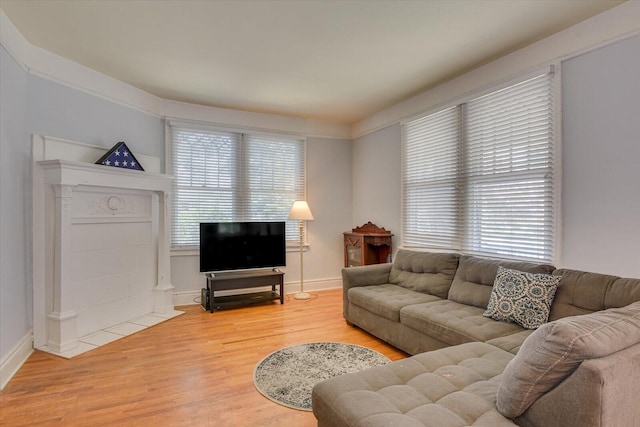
226	246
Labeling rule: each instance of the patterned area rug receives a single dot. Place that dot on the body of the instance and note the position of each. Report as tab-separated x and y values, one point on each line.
287	376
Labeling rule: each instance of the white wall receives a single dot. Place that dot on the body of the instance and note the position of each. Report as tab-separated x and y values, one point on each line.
601	160
376	181
58	111
16	317
329	194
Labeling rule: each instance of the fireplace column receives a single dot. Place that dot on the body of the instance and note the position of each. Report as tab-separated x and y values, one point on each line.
163	292
61	321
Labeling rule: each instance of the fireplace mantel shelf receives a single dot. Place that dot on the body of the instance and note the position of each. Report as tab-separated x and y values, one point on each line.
66	172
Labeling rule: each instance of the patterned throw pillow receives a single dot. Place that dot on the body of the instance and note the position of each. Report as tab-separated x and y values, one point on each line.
523	298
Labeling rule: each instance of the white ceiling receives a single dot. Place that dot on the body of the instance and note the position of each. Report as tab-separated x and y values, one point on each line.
333	60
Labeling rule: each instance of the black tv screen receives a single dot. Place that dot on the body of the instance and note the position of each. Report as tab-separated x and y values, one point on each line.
241	245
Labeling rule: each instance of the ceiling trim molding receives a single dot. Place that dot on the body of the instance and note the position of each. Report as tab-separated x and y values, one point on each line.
47	65
254	121
608	27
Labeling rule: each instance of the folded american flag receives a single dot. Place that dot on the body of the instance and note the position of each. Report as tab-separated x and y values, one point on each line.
120	157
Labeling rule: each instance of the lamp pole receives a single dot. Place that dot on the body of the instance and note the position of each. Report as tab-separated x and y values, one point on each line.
302	294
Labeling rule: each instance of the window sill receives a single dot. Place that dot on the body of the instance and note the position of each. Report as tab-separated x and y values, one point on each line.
185	252
192	251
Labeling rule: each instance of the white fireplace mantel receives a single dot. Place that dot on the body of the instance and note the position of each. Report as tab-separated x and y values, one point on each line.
68	172
90	213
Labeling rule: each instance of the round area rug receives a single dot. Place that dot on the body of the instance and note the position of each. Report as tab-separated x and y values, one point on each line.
287	376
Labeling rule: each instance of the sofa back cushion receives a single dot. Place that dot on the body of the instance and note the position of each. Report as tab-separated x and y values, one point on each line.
555	350
580	292
475	276
425	272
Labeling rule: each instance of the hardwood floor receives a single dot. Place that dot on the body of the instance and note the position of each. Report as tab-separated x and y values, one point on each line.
193	370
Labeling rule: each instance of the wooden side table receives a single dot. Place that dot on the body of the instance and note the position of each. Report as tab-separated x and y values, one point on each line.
367	244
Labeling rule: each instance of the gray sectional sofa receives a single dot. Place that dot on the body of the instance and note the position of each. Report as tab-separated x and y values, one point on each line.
581	368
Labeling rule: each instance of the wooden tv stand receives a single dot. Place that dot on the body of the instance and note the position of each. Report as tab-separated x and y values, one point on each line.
243	280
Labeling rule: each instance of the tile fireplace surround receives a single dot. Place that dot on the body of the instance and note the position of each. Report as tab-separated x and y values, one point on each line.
101	248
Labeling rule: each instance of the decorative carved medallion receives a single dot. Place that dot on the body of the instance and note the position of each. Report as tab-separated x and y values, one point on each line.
111	205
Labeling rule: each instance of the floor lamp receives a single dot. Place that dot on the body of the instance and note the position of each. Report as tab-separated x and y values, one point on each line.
300	211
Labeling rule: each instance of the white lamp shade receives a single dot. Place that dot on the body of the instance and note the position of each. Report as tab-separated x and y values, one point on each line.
300	211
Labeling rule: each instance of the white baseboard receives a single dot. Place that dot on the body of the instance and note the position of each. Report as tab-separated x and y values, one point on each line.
193	297
314	285
10	364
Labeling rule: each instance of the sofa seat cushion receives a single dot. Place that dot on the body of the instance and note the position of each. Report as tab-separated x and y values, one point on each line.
386	300
454	323
512	342
453	386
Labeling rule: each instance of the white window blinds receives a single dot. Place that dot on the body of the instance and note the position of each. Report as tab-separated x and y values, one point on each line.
431	184
275	179
226	176
509	172
479	177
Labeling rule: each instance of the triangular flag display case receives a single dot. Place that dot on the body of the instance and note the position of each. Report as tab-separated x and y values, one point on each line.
120	157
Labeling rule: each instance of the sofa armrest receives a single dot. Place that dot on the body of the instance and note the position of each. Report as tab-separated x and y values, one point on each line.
600	392
366	275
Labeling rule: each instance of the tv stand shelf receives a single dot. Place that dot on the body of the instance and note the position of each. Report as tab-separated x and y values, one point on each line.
244	280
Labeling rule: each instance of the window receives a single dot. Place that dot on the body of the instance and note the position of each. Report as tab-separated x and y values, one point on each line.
229	176
478	177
